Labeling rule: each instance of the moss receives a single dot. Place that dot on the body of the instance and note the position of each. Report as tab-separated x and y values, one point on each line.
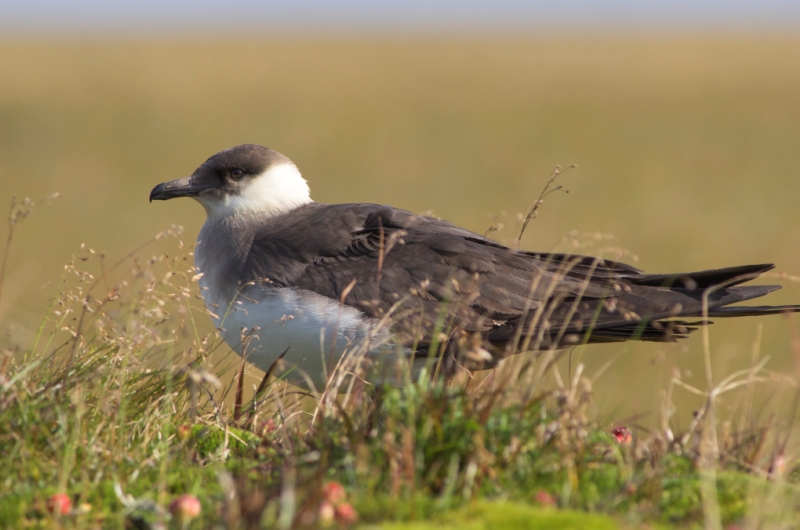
732	490
510	516
12	509
210	439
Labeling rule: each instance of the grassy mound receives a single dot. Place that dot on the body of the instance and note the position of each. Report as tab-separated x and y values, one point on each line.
114	405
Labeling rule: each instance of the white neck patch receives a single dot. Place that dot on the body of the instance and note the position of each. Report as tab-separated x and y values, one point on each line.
277	190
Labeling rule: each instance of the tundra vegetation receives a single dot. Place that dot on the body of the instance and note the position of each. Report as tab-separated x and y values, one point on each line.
114	413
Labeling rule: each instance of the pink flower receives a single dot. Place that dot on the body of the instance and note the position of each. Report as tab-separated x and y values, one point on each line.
346	514
185	508
59	504
622	434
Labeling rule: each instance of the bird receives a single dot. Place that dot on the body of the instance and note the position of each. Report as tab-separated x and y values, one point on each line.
308	286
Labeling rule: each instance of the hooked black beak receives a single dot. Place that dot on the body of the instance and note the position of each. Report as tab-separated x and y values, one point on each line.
183	187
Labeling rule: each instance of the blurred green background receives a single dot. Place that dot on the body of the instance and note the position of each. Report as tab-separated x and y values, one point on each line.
688	153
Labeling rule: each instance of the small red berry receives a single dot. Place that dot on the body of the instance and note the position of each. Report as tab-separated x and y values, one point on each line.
334	492
326	515
184	431
622	435
185	508
59	504
544	498
346	514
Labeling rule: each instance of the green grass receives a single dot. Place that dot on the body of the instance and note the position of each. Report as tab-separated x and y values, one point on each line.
107	407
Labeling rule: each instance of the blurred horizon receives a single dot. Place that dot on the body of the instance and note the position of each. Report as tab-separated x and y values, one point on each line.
252	18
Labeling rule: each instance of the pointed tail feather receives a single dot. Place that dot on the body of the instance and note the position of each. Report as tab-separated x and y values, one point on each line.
728	276
753	311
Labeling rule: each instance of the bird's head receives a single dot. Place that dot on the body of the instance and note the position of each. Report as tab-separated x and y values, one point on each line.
243	180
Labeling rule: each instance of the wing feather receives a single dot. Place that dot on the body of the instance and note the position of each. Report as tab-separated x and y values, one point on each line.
416	265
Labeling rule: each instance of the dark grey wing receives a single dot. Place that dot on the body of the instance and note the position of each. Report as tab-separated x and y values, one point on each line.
429	276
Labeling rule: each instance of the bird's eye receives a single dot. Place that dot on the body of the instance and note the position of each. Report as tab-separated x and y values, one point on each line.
237	174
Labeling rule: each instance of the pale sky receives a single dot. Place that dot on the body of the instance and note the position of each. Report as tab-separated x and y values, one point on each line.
27	17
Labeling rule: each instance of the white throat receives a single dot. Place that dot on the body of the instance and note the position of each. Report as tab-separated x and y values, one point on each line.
279	189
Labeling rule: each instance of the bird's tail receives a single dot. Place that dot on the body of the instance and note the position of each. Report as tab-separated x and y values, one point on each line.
723	286
727	277
752	311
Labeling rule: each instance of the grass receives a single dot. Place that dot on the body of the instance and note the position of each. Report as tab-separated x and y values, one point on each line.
116	403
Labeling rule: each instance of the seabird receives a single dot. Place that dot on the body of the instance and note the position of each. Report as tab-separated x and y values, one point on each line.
282	274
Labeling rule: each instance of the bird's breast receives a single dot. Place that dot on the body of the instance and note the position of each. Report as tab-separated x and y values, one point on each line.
315	332
260	321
